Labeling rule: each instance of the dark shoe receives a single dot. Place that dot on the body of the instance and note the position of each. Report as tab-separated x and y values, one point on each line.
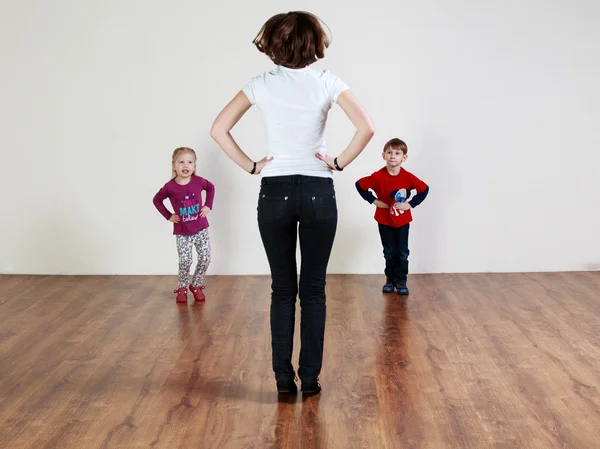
287	387
402	288
310	388
388	287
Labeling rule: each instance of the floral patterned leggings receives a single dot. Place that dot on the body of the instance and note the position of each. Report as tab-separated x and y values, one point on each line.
184	248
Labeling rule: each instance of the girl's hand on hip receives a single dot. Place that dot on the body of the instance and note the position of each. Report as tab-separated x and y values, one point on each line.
174	218
381	204
204	211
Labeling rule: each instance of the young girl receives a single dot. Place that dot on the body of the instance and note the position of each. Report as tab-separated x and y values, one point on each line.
297	197
190	225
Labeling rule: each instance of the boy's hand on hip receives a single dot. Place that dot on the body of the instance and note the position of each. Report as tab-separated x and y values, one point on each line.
381	204
402	206
174	218
204	212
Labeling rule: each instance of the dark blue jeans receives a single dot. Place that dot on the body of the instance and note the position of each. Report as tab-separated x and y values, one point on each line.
395	251
290	207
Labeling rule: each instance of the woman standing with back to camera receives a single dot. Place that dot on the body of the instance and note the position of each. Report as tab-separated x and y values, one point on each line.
297	183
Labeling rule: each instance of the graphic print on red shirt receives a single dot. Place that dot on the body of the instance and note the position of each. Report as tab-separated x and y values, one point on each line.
397	196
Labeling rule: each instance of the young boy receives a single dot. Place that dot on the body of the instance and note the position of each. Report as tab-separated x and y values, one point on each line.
393	185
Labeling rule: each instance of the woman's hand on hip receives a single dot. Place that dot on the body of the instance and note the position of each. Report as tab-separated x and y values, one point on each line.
327	159
261	164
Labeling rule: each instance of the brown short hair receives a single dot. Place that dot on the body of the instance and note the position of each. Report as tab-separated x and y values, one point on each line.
396	144
295	39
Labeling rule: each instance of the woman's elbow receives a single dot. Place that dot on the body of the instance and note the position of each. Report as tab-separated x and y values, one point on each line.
215	132
369	129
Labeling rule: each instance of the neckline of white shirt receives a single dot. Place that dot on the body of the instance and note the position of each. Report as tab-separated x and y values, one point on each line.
288	69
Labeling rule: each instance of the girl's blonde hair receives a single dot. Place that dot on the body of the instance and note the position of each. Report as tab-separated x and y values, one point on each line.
176	153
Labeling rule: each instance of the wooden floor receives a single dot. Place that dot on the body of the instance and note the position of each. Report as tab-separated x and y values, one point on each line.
467	361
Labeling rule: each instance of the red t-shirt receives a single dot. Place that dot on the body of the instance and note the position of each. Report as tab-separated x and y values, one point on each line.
392	189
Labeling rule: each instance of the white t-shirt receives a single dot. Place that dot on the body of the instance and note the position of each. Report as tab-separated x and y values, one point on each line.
294	104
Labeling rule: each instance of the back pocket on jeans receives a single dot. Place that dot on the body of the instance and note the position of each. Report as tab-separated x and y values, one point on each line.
271	208
325	207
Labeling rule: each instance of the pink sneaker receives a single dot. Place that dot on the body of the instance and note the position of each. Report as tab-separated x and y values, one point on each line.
181	294
198	293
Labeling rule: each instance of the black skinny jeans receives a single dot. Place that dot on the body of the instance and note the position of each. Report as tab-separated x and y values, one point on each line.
288	207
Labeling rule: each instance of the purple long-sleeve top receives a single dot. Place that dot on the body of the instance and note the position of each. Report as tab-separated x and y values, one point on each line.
187	202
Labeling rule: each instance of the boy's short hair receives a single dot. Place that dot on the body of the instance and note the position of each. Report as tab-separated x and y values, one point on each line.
295	39
396	144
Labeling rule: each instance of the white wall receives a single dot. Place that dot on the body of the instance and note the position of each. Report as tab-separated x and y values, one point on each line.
499	105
